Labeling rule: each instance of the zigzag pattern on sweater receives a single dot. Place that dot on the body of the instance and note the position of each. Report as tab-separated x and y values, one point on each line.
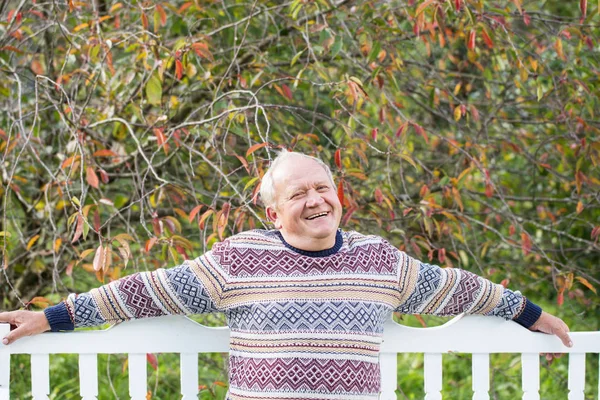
310	316
304	375
262	260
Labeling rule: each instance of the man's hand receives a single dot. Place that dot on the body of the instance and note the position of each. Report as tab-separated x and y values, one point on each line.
24	323
548	323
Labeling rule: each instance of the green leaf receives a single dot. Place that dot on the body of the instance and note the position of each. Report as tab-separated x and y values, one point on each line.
374	51
250	183
296	57
470	14
337	46
154	90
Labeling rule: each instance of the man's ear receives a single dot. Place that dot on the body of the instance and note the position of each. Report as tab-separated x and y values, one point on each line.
273	217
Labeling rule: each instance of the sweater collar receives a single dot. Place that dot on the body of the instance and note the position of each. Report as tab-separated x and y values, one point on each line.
339	240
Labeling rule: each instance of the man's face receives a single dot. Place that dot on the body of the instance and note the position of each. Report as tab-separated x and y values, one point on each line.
307	210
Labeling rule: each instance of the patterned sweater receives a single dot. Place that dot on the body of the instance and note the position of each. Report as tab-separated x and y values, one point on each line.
304	325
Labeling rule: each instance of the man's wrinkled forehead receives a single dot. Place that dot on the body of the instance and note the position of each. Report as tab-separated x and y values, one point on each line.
290	174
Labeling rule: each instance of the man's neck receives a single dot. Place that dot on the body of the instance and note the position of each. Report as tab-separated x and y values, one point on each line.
309	244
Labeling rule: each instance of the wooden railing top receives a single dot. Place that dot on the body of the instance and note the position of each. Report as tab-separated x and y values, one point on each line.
178	334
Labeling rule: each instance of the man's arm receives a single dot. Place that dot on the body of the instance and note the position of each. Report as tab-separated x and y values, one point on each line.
179	290
452	291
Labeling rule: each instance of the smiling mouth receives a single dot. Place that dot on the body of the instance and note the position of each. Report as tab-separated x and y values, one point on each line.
318	215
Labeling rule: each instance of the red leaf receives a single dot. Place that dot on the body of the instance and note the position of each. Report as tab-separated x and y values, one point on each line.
348	215
595	232
489	190
421	320
525	243
378	196
420	131
144	21
287	92
194	212
162	13
178	69
402	129
255	147
104	153
204	217
474	113
78	228
37	13
442	255
201	49
561	297
338	158
91	177
511	230
374	132
37	67
244	162
340	191
150	243
457	5
70	161
223	219
103	176
11	48
152	360
487	39
161	140
99	259
583	8
471	40
185	6
526	18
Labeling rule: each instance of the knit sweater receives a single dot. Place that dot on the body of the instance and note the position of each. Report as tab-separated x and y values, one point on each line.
304	325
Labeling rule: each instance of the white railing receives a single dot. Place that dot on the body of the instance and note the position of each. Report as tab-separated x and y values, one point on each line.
479	336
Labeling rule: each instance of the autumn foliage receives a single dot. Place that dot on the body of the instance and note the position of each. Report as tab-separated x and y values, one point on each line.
134	135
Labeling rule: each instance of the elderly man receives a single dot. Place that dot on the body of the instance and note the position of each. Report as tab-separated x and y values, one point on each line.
306	303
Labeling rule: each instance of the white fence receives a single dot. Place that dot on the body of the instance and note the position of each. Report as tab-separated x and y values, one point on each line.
479	336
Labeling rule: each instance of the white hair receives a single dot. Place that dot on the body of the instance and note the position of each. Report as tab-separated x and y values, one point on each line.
267	186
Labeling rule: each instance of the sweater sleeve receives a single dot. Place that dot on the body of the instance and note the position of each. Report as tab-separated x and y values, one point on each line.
452	291
186	289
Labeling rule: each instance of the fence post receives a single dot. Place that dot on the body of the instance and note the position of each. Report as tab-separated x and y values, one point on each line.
388	364
4	364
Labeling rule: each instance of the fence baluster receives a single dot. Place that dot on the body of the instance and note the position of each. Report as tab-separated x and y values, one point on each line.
530	376
137	376
481	376
433	376
189	376
4	364
88	376
576	376
40	376
388	364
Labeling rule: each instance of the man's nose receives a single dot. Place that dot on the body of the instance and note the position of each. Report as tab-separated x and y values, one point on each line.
314	199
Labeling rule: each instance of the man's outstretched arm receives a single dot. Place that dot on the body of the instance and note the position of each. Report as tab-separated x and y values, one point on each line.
451	291
180	290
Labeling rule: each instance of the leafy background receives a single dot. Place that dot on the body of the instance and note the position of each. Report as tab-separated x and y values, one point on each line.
134	135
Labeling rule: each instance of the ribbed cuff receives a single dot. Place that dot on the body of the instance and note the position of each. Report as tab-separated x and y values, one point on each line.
58	318
530	314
